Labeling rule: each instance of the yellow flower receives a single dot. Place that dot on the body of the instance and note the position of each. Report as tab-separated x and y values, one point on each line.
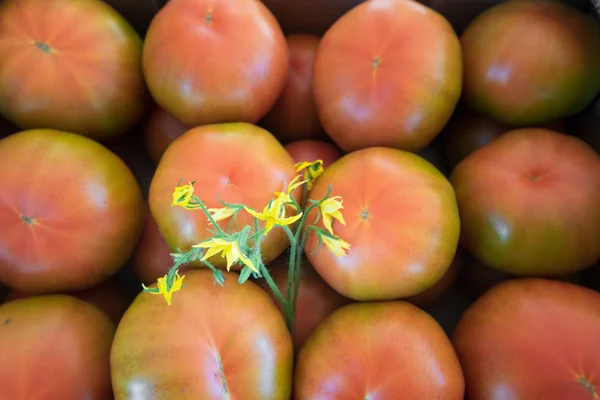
229	249
336	245
274	214
163	289
183	195
285	196
330	208
220	214
312	170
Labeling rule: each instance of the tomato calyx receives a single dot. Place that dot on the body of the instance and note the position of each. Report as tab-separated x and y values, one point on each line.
43	47
588	386
27	220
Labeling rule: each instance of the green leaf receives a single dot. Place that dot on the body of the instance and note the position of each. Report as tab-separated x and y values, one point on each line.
244	275
218	277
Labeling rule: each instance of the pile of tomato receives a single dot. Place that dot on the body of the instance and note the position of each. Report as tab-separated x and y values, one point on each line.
467	160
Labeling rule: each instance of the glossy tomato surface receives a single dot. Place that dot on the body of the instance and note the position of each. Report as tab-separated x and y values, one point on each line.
213	342
209	62
109	296
70	65
70	210
387	73
238	163
294	115
312	150
389	350
54	347
531	339
160	131
529	201
529	62
401	221
316	300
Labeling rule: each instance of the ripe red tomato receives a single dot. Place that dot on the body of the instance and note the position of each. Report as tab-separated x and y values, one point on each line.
294	115
70	210
531	339
401	221
212	342
529	201
469	130
529	62
430	295
387	73
312	150
387	350
160	131
316	300
109	296
54	347
152	258
70	65
237	163
208	62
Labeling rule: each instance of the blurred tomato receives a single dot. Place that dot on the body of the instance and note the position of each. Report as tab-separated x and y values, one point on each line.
528	62
160	131
70	65
109	296
238	163
70	210
401	221
387	350
430	295
586	125
212	342
208	62
54	347
387	73
312	150
529	201
469	130
531	339
316	299
294	116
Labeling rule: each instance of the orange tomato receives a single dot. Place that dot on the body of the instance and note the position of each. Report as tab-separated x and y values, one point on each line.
312	150
160	131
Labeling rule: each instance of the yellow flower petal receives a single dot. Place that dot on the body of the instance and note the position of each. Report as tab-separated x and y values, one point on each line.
182	195
220	214
166	292
336	245
330	209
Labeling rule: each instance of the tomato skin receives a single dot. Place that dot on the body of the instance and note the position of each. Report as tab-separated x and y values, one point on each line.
294	115
236	325
506	79
430	295
528	203
387	350
370	93
312	150
401	221
226	161
241	79
542	336
45	341
64	229
316	300
75	86
160	131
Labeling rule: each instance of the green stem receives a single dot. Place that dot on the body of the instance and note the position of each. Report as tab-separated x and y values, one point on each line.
210	218
299	267
292	264
289	316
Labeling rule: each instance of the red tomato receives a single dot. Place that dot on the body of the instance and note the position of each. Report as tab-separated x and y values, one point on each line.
531	339
529	62
469	130
237	163
208	62
70	65
152	258
430	295
160	131
316	299
387	350
70	210
213	342
529	201
401	221
387	73
54	347
294	116
312	150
